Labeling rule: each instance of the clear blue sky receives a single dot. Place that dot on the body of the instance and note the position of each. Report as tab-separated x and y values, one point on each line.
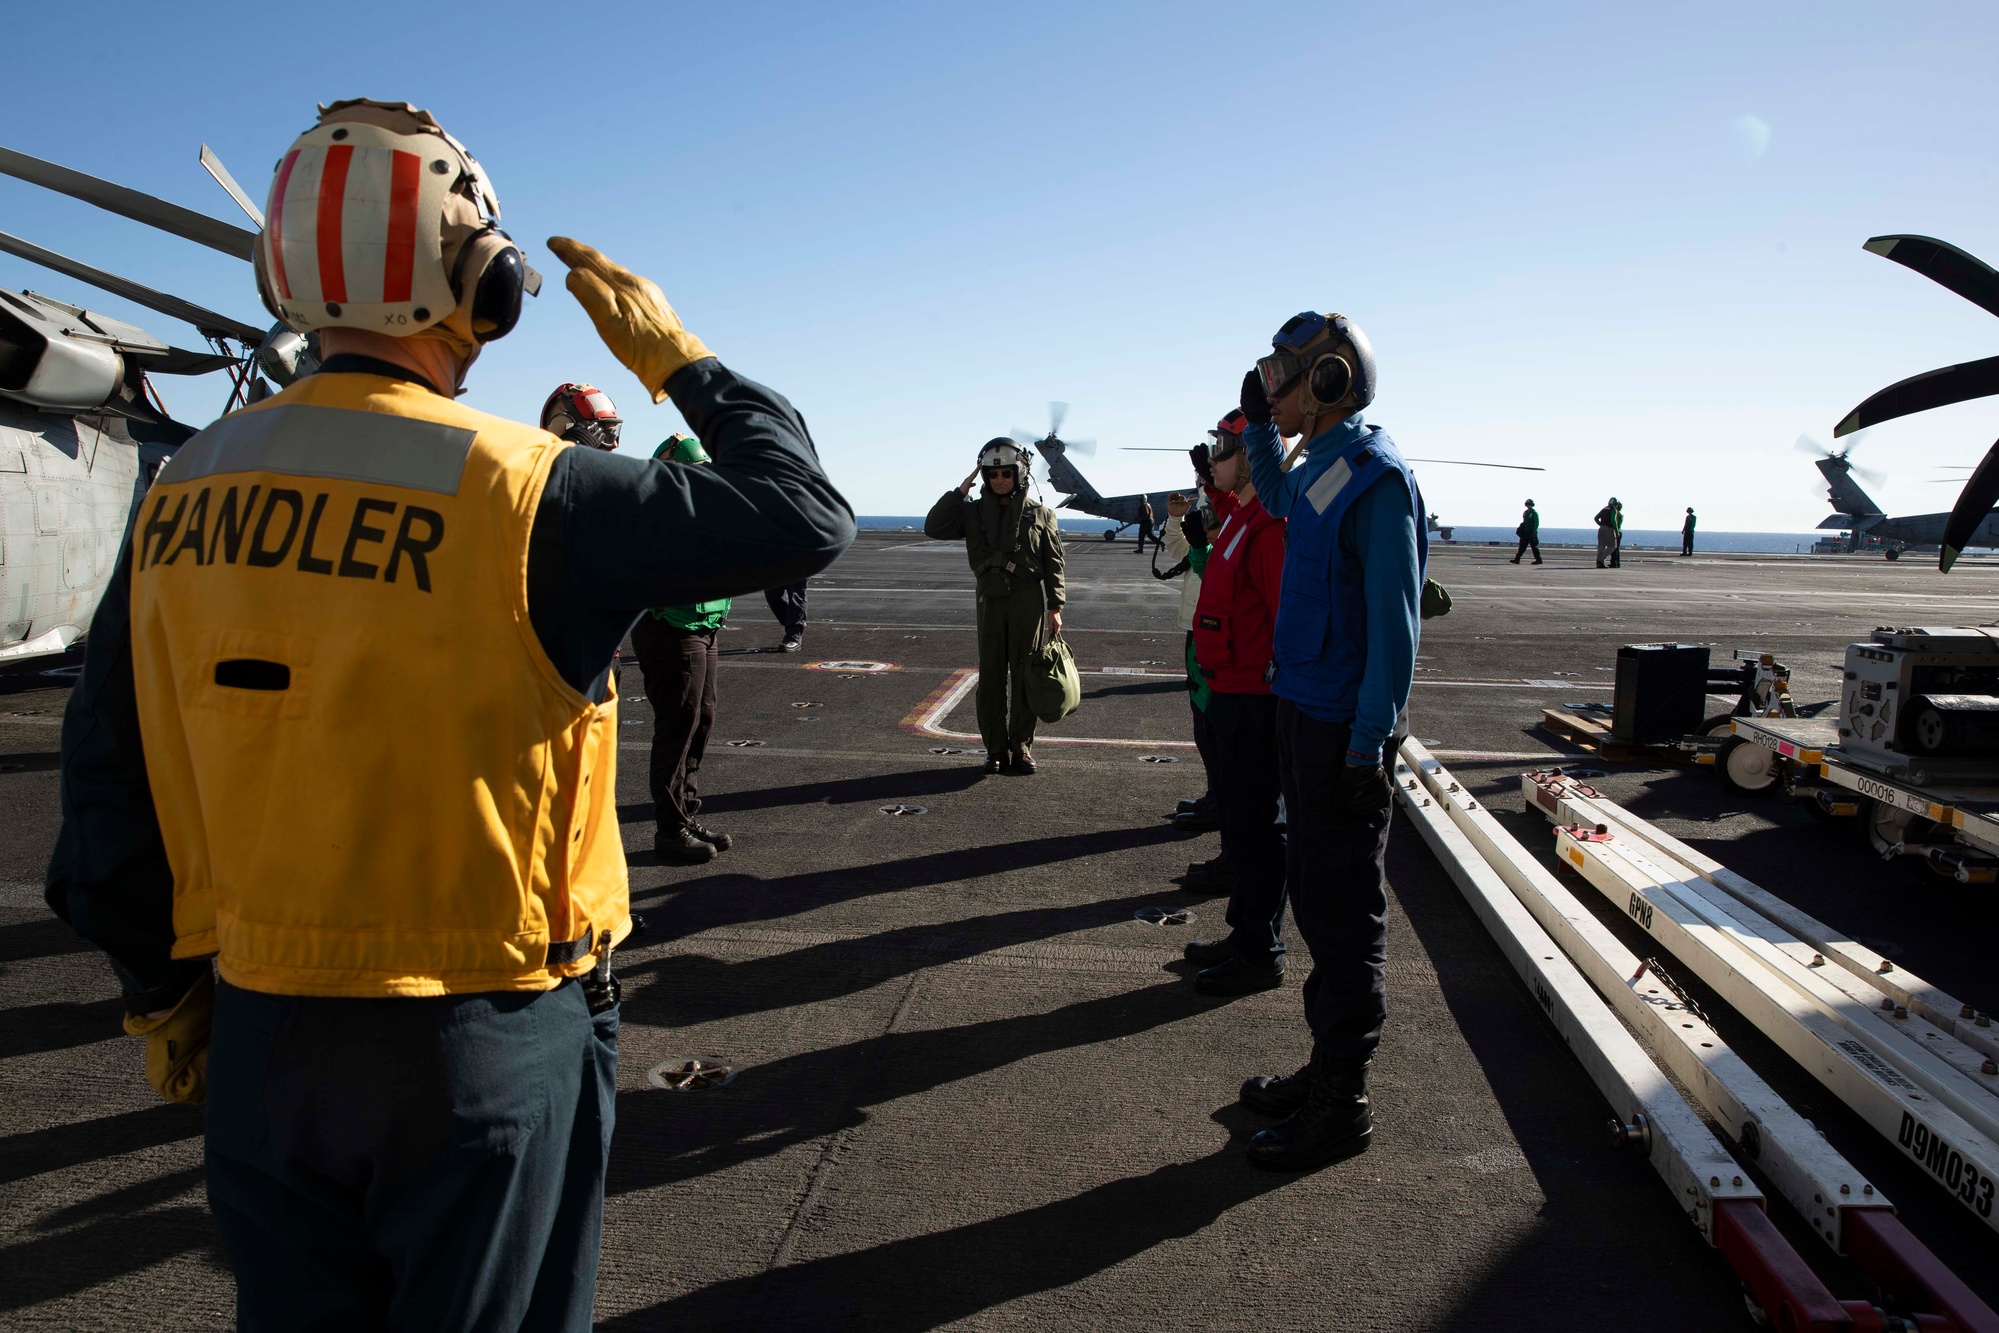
1622	242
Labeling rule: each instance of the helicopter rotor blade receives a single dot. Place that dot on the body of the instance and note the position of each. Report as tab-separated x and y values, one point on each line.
1920	393
228	183
1805	444
1020	435
183	222
1149	449
1944	264
1057	412
1084	447
181	361
210	323
1973	504
1463	462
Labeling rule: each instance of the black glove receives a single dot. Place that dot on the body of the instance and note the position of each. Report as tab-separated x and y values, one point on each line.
1195	529
1204	463
1360	793
1255	405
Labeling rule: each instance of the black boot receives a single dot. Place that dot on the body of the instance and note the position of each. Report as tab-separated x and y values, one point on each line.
1278	1094
1208	952
681	847
1212	876
1236	975
1336	1121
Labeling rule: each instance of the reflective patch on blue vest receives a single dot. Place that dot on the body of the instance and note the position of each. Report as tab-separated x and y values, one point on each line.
336	443
1328	486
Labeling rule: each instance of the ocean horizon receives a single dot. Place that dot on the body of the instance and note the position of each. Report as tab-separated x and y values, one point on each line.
1734	543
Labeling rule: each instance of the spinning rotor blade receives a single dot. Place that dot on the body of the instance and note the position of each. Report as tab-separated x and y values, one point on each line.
1920	393
183	222
1149	449
228	183
1084	447
210	323
1973	504
1944	264
1056	413
1460	462
1020	436
1806	444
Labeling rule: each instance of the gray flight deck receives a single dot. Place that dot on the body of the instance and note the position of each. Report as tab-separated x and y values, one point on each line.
974	1091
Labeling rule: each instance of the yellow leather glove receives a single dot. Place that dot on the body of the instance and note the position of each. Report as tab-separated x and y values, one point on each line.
177	1044
631	315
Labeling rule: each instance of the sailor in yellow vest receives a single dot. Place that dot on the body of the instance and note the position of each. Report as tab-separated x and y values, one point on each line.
339	782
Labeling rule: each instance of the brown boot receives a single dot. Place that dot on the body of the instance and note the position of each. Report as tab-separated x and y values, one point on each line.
1023	762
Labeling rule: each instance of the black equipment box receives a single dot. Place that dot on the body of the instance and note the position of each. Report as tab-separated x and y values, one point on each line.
1661	692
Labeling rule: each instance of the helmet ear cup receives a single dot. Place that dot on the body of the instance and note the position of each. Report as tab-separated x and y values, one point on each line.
490	266
1331	377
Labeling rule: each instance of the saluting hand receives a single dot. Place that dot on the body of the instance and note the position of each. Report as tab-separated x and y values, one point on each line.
1177	505
965	486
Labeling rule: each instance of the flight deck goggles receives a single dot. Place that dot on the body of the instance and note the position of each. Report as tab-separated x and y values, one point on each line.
1227	436
1281	369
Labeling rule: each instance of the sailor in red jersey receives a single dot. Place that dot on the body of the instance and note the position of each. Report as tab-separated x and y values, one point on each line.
1232	629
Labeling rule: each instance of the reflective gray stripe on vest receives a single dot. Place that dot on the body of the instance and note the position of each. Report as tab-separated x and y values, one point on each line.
1229	554
1329	485
331	442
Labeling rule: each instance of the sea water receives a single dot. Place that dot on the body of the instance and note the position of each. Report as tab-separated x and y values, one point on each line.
1464	534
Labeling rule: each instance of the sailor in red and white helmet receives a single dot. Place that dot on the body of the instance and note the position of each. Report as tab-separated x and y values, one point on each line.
582	414
339	785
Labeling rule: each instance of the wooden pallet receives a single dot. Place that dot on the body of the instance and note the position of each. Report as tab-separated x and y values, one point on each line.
1595	736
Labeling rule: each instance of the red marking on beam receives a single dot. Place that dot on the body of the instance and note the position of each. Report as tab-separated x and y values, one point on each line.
1909	1274
1781	1281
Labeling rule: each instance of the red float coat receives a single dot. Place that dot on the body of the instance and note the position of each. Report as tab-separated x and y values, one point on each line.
1238	607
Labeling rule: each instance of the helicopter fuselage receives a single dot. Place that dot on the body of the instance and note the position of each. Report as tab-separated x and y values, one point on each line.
67	488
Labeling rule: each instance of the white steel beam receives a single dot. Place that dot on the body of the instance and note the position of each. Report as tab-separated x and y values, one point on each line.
1567	801
1821	1184
1957	1155
1694	1164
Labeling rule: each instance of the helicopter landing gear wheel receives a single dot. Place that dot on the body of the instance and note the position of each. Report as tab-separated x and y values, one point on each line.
1747	769
1110	534
1891	554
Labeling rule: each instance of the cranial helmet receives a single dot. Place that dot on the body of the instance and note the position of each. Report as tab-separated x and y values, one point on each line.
681	448
1329	357
379	220
582	414
1227	434
1003	452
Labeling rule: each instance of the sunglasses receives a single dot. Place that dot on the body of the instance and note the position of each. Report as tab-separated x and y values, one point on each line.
1011	474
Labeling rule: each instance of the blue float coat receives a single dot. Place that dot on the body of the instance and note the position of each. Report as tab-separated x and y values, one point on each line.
1379	533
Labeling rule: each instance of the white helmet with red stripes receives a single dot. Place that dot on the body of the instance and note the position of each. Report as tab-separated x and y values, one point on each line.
377	219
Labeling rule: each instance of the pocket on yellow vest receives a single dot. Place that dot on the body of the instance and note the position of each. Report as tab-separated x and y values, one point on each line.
251	673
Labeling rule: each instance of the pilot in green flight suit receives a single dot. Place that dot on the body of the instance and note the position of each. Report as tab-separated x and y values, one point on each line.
1016	552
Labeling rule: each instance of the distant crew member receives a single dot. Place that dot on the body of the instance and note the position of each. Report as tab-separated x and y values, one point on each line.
1617	534
1232	634
1687	533
788	605
339	783
1145	533
677	652
1016	554
1529	533
1606	533
1343	656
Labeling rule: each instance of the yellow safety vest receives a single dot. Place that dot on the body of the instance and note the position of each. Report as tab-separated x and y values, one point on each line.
370	778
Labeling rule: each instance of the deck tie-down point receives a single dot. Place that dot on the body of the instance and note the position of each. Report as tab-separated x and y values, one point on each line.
691	1075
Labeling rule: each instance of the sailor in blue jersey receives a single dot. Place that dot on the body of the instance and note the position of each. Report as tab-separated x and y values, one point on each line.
1343	657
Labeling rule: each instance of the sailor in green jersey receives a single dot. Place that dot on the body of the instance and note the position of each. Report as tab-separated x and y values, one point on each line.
676	648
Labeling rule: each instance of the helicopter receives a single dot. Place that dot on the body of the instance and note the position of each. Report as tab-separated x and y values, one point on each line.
82	430
1126	510
1970	521
1866	525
